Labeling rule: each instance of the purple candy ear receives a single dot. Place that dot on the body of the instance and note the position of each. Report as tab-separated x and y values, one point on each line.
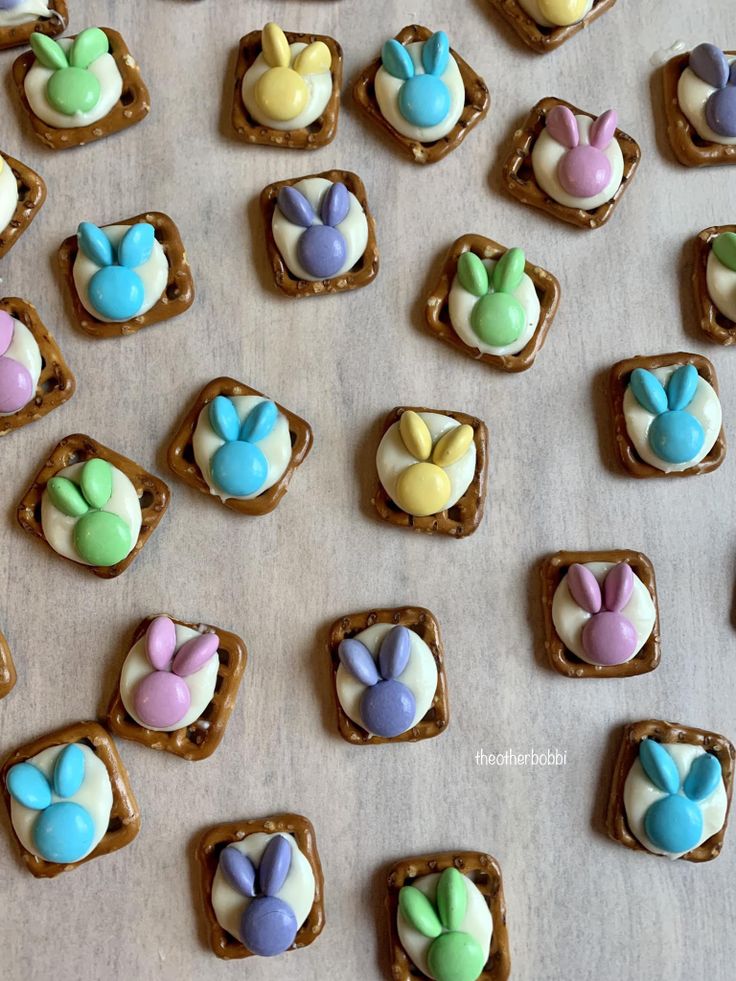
238	870
584	588
295	207
275	865
335	205
395	650
160	642
357	659
603	128
709	63
563	126
617	587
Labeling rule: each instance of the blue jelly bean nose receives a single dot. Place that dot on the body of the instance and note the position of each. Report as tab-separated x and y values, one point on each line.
268	926
388	708
239	468
674	824
321	250
116	292
424	100
676	436
63	832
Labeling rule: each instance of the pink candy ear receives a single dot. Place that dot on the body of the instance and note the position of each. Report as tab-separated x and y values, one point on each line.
584	588
618	587
603	128
563	127
160	642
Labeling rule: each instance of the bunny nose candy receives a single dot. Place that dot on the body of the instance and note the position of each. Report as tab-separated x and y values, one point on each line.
239	468
322	251
16	386
424	100
102	538
720	111
676	436
584	171
674	824
72	90
281	93
423	489
456	956
161	699
268	926
63	832
498	319
388	708
562	12
609	638
116	292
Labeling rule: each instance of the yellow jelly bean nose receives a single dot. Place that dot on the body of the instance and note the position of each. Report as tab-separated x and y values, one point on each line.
453	446
423	489
562	12
415	435
281	93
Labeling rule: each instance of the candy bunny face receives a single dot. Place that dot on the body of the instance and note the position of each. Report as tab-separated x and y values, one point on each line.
13	12
493	305
319	228
20	365
73	82
674	797
386	680
8	194
120	271
673	416
603	612
90	513
445	926
556	13
721	274
169	676
419	89
263	892
242	445
288	86
60	802
426	462
706	92
577	160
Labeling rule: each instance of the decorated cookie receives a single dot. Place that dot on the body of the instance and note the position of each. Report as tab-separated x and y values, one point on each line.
667	415
430	464
97	511
714	282
320	236
8	676
34	378
571	164
22	193
287	88
80	89
262	886
447	918
21	18
69	799
671	791
178	686
544	25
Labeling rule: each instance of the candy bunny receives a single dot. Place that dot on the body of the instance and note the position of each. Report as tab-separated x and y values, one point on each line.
608	637
285	90
721	274
17	385
239	467
584	170
321	249
424	99
116	290
72	87
675	435
453	954
556	13
712	66
268	925
498	318
387	706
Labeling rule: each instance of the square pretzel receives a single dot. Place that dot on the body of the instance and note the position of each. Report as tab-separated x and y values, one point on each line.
553	569
200	739
617	824
131	108
477	101
319	133
544	39
422	623
125	818
31	196
363	272
464	517
712	322
56	383
619	382
520	182
8	677
690	149
153	495
212	843
180	453
485	873
437	312
176	298
18	34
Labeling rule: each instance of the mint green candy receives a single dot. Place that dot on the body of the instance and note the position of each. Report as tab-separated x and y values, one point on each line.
73	90
66	496
418	910
509	270
498	319
102	538
452	898
724	248
473	274
96	482
456	957
88	46
48	52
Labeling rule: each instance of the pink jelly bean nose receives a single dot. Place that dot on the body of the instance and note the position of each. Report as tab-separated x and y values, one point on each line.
609	638
16	387
584	171
161	699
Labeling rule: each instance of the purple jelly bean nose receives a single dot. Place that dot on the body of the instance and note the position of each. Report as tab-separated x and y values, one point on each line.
161	699
321	250
609	638
16	386
720	111
584	171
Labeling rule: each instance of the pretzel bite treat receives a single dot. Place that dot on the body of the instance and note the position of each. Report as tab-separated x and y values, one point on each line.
21	18
714	282
544	25
8	677
22	193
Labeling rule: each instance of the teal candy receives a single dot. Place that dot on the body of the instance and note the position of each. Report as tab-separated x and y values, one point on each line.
676	437
424	100
259	422
724	247
137	245
648	391
703	778
116	292
29	787
63	832
436	53
95	244
397	60
224	418
239	469
69	771
452	899
674	824
659	766
681	387
456	957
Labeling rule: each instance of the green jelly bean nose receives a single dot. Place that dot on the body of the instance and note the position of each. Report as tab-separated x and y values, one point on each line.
456	956
73	90
498	319
102	538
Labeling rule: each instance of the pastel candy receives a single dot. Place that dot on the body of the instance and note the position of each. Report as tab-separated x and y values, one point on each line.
29	786
423	489
63	832
562	13
335	204
274	866
674	824
95	244
452	898
160	642
424	100
584	588
137	245
16	385
321	250
69	771
71	90
194	654
709	63
281	93
238	870
275	46
314	59
584	171
609	638
472	274
659	766
720	111
703	778
676	437
724	247
116	292
224	418
415	435
681	387
419	911
89	45
453	445
356	657
7	329
456	956
239	469
397	60
259	422
47	51
295	207
436	53
498	319
161	699
102	538
388	708
67	497
618	586
562	126
96	482
648	391
395	650
268	926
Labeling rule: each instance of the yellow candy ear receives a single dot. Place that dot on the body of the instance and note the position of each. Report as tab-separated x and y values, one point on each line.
275	47
415	435
314	59
453	446
562	12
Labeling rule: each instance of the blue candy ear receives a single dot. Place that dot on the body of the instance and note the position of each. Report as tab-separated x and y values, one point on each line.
436	53
95	244
29	787
259	422
703	778
69	771
397	60
275	865
137	245
224	418
659	766
648	391
681	387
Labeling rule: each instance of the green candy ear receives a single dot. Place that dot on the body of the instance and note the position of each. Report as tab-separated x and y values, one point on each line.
419	912
508	271
473	274
66	496
452	899
96	482
724	247
90	45
48	52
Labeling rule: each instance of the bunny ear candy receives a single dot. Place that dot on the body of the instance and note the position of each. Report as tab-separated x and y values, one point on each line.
714	282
